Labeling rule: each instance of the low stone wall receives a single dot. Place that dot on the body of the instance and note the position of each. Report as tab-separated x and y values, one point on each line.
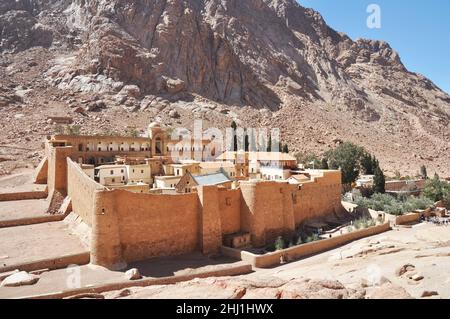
225	271
273	259
51	263
31	221
6	197
407	219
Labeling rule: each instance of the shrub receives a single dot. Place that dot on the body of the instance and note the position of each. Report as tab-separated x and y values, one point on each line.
313	237
436	189
279	243
391	205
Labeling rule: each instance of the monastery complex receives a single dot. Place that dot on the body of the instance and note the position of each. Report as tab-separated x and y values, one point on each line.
138	203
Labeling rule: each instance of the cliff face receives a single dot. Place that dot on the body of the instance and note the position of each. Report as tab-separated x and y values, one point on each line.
243	52
271	55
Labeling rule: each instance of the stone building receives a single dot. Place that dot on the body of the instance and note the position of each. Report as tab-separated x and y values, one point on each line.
189	182
126	226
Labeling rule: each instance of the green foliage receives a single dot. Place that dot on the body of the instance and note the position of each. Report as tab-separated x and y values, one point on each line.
132	132
308	159
446	200
59	130
73	130
436	190
363	223
235	141
279	243
269	144
391	205
423	172
233	125
68	130
312	238
347	157
379	180
324	163
286	149
368	163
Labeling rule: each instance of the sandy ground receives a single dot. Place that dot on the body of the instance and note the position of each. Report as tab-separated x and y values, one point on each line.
425	246
35	242
365	268
20	181
89	275
23	209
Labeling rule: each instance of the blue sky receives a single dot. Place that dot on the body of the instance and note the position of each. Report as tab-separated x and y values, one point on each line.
419	30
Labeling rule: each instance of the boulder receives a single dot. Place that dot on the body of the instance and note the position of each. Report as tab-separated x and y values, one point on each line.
175	86
404	269
427	293
130	91
133	274
80	110
21	278
174	114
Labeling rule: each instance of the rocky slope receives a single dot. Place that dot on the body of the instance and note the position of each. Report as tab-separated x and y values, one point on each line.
261	62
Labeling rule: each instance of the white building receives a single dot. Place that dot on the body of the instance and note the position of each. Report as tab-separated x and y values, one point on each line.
228	168
272	173
365	180
88	170
111	175
166	182
117	175
139	174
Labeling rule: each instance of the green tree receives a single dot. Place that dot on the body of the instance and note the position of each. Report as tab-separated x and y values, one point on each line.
286	149
346	157
307	159
235	141
246	142
367	163
435	189
379	181
423	172
269	144
324	163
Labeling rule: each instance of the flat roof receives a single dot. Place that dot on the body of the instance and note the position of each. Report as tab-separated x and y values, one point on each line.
211	179
261	156
111	166
168	177
217	164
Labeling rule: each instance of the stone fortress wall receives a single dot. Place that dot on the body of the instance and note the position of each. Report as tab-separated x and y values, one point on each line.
129	227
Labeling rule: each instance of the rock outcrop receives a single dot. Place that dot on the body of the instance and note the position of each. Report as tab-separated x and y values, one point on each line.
262	62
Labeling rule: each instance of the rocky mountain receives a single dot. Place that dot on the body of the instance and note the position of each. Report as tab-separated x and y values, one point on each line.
261	62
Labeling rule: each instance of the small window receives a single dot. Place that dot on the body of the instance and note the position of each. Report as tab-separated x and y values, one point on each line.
113	180
228	201
142	171
112	172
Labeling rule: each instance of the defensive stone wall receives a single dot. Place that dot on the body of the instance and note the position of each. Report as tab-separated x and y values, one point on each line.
318	198
296	252
81	189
